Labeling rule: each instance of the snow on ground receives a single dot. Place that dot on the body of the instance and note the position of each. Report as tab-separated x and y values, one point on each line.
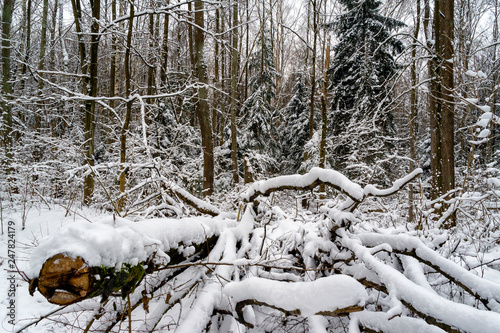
40	223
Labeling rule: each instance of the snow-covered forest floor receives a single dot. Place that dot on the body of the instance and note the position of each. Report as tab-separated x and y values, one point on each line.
280	267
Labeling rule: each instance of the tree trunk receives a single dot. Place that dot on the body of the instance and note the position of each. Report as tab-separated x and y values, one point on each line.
8	6
112	67
151	66
441	104
413	114
313	65
164	68
128	114
26	46
202	110
41	65
89	129
234	88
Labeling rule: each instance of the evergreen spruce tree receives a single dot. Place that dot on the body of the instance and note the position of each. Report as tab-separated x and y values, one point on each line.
360	74
294	129
259	141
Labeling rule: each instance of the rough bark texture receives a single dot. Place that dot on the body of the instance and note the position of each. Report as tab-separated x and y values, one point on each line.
441	101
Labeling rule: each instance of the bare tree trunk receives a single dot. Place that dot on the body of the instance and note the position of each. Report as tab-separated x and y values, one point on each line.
89	129
128	114
202	110
413	113
151	66
8	6
441	104
234	88
41	64
313	74
216	75
191	52
164	68
112	67
26	46
322	146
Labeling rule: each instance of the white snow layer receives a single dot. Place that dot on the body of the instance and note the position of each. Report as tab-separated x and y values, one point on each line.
114	241
324	294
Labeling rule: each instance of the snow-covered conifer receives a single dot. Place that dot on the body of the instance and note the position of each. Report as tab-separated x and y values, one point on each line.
360	73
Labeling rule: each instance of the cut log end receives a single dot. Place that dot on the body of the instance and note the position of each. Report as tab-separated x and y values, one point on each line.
64	280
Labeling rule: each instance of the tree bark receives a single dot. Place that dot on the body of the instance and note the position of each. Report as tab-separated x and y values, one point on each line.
89	129
128	113
234	88
413	113
322	147
313	65
202	110
41	65
441	103
112	67
8	6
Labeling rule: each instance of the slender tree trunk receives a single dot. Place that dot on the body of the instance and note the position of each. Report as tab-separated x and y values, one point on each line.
8	6
89	130
234	89
247	50
313	73
413	113
77	13
191	52
27	47
112	66
128	114
164	68
216	74
322	146
494	142
151	66
41	65
202	110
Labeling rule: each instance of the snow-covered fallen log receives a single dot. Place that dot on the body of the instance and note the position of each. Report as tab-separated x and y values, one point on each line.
88	259
488	292
335	295
332	178
433	308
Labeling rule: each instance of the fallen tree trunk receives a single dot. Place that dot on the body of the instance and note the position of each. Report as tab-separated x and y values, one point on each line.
72	266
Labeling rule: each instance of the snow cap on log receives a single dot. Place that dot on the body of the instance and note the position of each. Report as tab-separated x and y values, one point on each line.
328	295
308	181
